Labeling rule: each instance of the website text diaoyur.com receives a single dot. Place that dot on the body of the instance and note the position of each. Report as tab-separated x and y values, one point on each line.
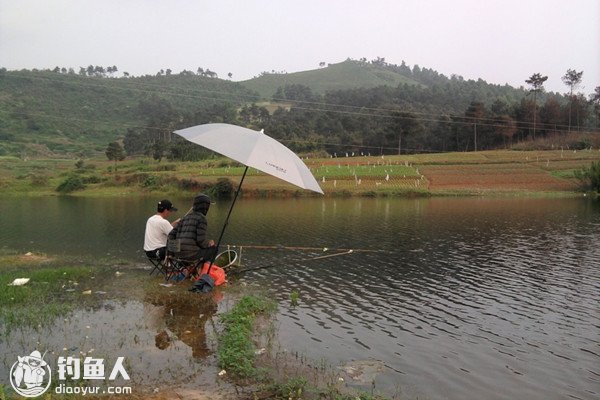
84	390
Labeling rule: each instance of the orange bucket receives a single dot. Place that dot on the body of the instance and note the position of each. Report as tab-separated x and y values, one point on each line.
216	272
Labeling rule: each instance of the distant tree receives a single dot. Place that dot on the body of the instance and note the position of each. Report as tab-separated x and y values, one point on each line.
158	150
572	79
595	100
229	75
506	127
475	113
134	141
405	69
99	70
82	71
111	70
405	124
168	72
114	152
536	81
551	114
580	108
322	64
380	61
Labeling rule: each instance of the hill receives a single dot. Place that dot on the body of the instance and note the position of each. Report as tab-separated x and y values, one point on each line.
353	106
44	113
349	74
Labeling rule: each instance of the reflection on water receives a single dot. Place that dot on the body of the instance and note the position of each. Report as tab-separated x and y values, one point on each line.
185	321
464	298
128	322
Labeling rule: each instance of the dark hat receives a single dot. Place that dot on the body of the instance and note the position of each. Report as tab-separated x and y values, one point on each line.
202	198
165	205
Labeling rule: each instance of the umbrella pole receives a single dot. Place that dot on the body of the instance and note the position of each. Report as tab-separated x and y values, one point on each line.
227	219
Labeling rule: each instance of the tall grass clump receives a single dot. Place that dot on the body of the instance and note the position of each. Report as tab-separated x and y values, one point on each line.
236	351
590	177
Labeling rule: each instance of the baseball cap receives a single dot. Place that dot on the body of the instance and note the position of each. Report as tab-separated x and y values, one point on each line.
165	205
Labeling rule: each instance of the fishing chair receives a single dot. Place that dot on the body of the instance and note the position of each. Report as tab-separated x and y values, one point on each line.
157	262
174	266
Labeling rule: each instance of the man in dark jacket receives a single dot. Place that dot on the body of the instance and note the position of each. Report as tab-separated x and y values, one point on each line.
191	233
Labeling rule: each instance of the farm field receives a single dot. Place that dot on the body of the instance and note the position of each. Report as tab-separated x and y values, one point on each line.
480	173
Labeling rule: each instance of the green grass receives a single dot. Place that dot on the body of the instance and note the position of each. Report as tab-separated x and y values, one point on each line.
236	350
364	171
298	388
43	298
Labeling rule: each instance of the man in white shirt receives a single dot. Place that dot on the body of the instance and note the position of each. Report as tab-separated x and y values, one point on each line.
157	230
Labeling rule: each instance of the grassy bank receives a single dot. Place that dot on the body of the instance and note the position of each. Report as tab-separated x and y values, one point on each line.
49	292
500	172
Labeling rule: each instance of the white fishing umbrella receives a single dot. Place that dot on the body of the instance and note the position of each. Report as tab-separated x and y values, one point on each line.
253	149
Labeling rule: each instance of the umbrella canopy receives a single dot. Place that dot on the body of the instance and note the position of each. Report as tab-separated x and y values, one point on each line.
253	149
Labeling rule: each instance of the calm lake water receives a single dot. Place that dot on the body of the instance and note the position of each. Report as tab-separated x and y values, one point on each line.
465	298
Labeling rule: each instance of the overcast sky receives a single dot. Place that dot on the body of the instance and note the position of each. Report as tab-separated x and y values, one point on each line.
503	41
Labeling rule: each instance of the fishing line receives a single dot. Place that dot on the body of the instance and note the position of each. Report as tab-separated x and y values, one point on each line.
281	247
304	259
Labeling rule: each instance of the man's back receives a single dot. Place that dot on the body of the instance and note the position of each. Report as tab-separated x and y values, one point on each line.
157	229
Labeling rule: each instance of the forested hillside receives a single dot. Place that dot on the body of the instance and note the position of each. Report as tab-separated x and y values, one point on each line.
54	112
417	110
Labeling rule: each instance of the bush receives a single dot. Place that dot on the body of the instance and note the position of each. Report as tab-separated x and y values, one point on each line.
223	189
91	179
190	185
71	184
150	181
584	143
590	177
